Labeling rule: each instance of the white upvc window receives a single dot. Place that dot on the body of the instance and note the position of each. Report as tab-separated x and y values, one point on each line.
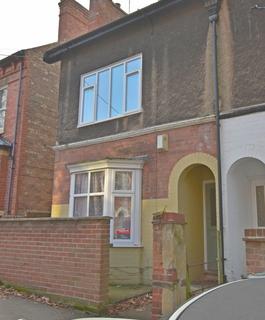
3	100
109	188
111	92
258	196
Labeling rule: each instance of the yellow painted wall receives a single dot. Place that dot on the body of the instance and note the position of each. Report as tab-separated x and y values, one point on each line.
191	204
60	211
136	263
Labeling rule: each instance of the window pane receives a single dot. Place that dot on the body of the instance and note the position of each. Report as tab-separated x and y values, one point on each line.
2	119
117	88
103	95
80	207
212	204
96	206
122	218
81	183
132	94
88	105
90	81
260	205
97	182
133	65
123	180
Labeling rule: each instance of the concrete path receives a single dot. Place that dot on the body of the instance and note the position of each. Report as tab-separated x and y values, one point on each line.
145	314
15	308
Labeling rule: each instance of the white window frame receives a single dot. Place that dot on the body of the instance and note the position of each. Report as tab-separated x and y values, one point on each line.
125	81
256	183
3	110
110	167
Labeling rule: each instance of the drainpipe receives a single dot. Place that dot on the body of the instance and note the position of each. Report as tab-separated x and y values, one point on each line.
213	8
13	152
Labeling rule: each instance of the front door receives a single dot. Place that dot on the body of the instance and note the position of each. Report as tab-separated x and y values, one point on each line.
210	231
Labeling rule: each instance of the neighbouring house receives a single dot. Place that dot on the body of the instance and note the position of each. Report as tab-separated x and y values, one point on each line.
138	132
29	110
28	121
242	79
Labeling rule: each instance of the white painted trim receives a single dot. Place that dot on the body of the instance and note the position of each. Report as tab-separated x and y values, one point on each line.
136	133
106	164
4	110
96	72
110	167
126	114
254	184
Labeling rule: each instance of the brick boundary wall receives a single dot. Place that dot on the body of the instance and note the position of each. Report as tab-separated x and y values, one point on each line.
255	250
65	257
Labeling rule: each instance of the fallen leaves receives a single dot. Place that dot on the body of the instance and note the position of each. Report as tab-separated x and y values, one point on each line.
5	293
137	303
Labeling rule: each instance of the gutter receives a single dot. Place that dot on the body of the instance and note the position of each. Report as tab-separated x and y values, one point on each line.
12	58
13	152
57	53
213	8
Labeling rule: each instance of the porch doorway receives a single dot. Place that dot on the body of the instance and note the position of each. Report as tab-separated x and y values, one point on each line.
197	201
245	210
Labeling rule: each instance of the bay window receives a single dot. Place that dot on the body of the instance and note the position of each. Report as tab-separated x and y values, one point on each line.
109	188
110	92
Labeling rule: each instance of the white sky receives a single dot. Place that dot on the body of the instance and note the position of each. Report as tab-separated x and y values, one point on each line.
29	23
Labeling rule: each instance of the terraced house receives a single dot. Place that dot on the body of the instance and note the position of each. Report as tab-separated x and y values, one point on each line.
142	101
28	121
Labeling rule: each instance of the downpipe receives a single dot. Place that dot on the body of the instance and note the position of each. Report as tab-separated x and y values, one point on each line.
213	21
14	144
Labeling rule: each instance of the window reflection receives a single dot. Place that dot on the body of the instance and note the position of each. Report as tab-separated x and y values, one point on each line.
111	92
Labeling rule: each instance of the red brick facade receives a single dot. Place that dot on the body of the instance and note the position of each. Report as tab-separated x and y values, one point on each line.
158	165
255	250
66	257
30	126
76	20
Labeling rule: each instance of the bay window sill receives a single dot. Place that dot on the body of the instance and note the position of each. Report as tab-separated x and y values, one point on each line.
125	245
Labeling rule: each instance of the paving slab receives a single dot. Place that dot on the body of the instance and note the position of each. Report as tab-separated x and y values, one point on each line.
139	314
16	308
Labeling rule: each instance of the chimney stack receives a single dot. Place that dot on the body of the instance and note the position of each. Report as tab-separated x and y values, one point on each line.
76	20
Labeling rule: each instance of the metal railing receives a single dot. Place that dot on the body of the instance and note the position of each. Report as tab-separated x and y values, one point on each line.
201	277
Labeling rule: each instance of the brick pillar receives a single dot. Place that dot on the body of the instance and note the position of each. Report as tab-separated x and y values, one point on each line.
4	155
169	264
255	250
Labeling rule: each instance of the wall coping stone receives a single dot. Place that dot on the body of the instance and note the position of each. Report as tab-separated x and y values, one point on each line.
254	239
168	218
80	219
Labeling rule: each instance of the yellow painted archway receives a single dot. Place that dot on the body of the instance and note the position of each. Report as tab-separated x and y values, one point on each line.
186	195
185	162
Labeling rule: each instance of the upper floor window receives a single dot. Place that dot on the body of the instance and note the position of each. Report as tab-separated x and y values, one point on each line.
3	98
110	92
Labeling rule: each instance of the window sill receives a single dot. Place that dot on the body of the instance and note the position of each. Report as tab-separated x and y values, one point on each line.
126	245
81	125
